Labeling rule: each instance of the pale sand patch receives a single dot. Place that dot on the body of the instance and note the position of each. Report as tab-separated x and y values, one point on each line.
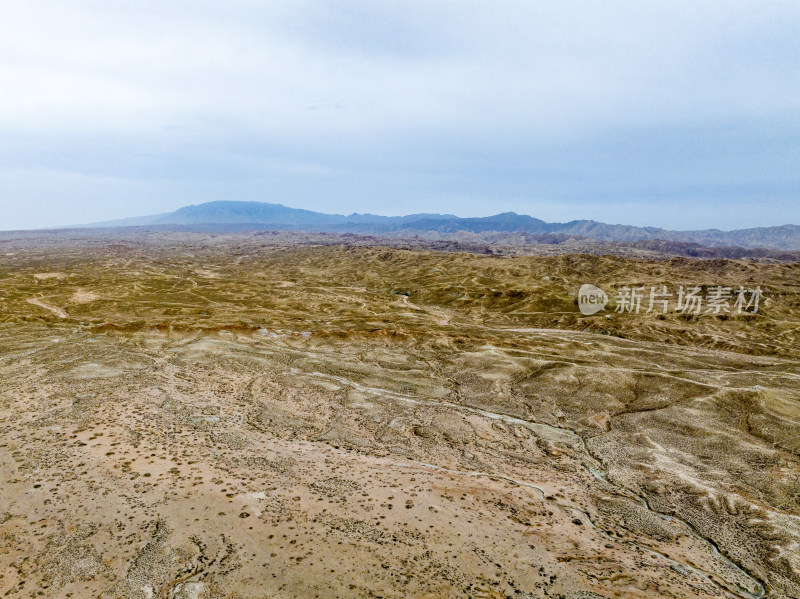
54	309
94	371
189	590
43	276
83	297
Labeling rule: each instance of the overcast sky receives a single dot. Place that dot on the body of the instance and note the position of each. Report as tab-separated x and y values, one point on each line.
676	114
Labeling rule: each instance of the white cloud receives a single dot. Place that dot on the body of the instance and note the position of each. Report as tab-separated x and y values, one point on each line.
345	85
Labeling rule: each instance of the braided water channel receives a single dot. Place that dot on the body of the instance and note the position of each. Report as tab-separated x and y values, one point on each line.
754	589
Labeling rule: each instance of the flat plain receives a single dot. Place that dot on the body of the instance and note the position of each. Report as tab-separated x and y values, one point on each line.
203	416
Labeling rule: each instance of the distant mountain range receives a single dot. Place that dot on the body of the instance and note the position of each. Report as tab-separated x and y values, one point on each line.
222	215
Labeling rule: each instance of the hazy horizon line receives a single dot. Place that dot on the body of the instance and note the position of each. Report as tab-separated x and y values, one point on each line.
98	224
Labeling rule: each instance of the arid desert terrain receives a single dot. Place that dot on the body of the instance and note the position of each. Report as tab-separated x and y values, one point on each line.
185	415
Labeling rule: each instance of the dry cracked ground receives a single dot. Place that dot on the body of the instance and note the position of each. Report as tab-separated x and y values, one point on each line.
194	416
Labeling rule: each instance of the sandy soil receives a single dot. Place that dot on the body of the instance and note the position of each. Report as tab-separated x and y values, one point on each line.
231	420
